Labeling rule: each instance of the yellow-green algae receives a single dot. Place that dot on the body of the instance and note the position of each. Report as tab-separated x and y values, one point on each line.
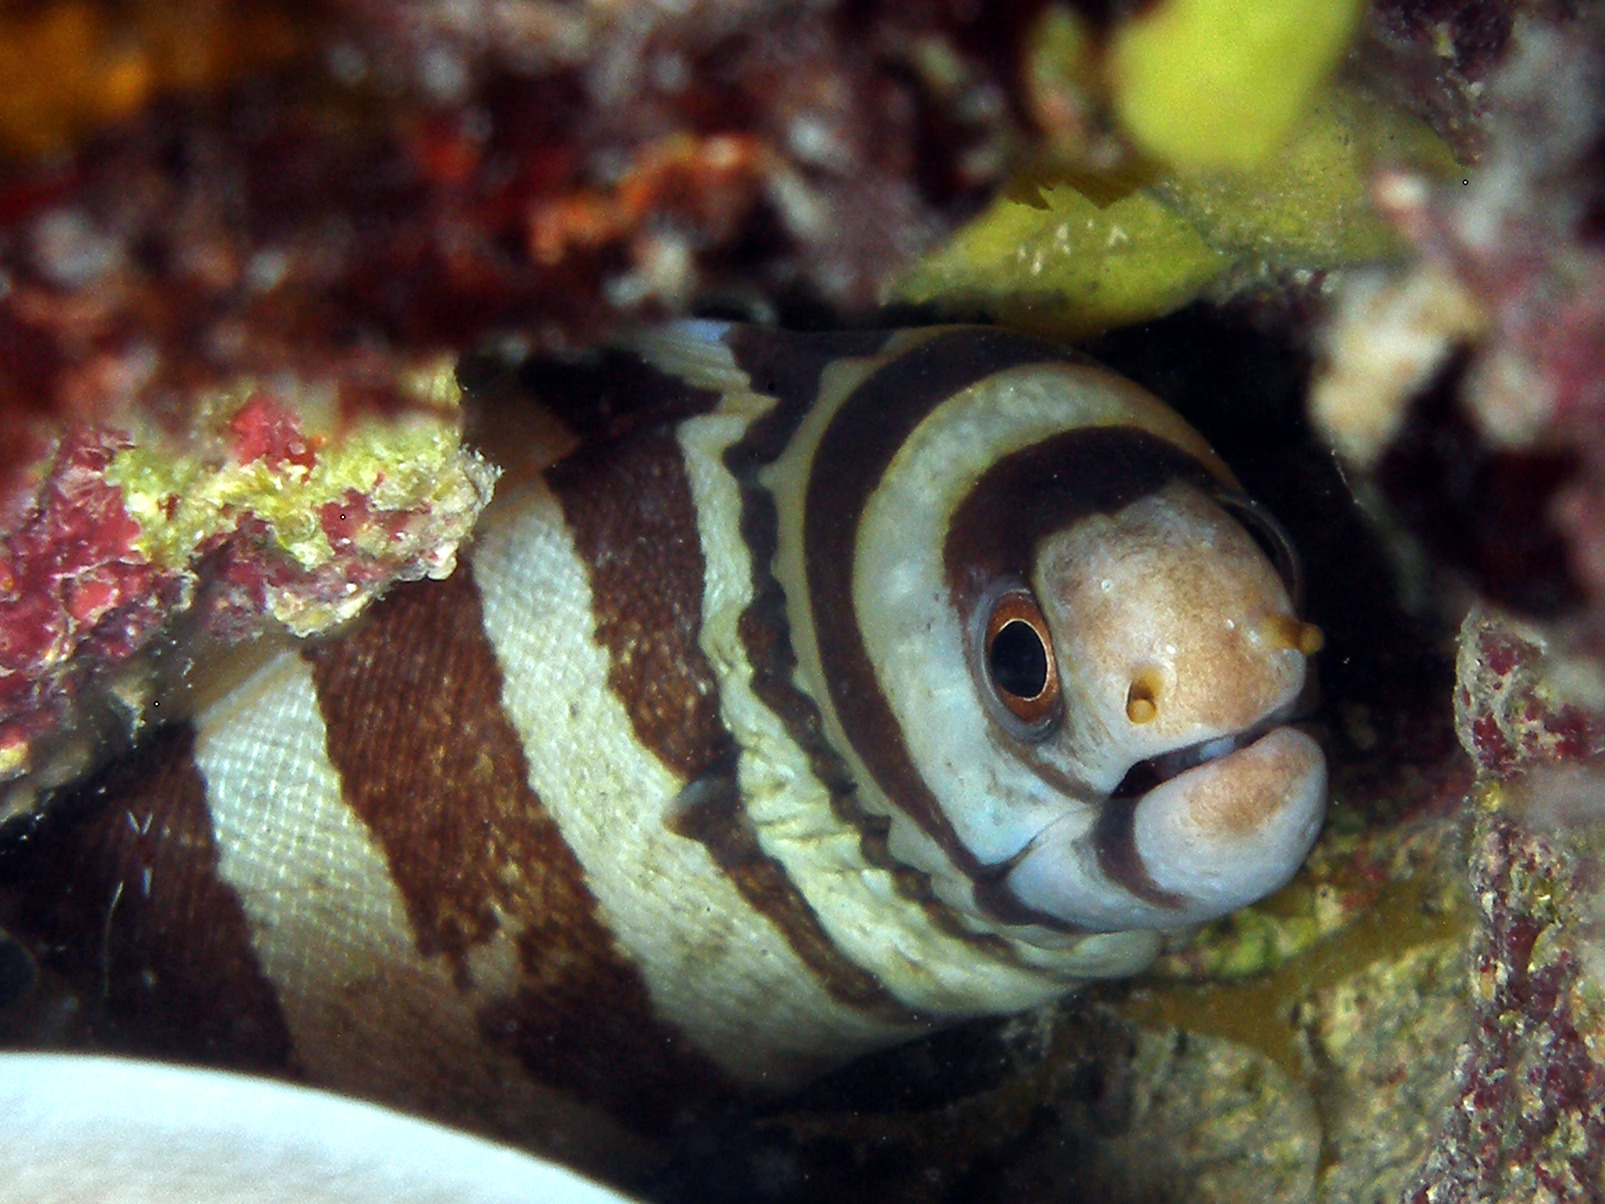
1311	207
1222	83
412	463
1061	264
1067	256
1423	909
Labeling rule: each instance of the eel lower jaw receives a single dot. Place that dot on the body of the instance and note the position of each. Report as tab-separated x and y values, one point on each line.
1219	825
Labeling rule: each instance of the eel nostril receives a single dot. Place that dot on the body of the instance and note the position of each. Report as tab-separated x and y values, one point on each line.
1288	633
1142	698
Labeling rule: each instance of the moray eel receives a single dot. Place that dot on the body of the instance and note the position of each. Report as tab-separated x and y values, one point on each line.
817	691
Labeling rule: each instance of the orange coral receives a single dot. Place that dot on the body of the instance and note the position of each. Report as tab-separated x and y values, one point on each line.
711	180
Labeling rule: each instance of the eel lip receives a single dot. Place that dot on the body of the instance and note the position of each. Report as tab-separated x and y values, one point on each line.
1157	770
1235	827
1229	829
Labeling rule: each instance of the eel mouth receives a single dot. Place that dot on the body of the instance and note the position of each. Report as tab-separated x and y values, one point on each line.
1156	771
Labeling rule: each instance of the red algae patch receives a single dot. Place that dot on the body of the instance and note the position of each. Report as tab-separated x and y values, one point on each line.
252	522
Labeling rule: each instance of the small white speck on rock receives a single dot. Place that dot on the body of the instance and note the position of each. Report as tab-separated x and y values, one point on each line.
71	251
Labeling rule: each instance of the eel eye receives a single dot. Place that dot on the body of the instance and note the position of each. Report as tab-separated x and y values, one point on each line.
1019	662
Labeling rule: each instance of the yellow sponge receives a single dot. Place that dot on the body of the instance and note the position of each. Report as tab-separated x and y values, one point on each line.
1077	254
1223	82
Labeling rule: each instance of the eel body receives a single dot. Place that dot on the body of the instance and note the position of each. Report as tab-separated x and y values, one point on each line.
832	688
